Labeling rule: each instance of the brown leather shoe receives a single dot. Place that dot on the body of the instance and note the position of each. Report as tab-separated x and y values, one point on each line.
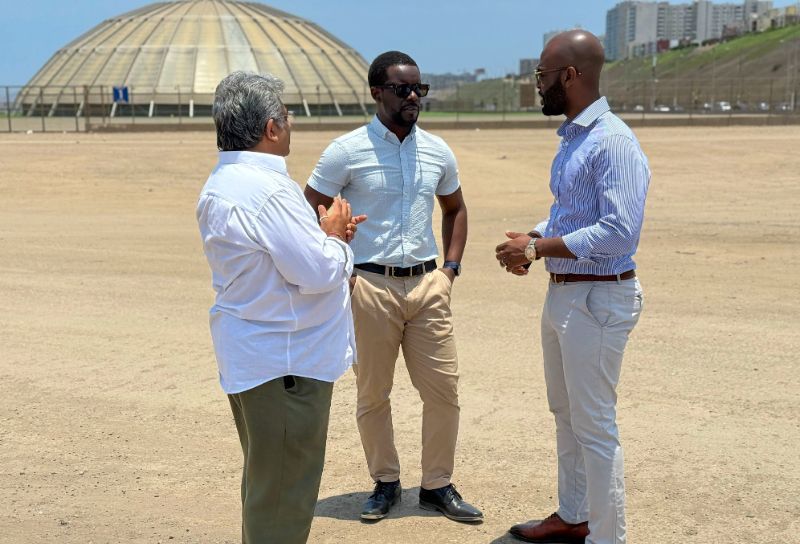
551	529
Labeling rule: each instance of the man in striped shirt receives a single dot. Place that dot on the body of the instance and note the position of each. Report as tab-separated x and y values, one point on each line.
599	181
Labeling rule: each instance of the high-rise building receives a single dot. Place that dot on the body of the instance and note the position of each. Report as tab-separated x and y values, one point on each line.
635	28
527	67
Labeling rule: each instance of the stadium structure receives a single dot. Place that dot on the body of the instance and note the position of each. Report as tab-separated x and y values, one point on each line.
169	56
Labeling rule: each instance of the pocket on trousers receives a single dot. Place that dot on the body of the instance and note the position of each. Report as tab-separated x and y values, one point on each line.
448	283
598	303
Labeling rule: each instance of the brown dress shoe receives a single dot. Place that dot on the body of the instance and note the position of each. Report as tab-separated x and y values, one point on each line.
551	529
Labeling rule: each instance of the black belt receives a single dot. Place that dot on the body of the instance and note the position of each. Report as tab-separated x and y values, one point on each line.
566	278
399	271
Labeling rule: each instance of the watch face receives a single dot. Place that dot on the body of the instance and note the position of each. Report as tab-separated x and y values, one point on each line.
530	253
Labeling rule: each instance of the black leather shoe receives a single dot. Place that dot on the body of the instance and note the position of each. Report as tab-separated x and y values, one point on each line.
449	502
386	495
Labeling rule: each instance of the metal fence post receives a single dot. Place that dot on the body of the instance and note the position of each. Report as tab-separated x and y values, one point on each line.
41	108
458	98
180	117
130	104
769	109
102	105
731	103
503	83
8	108
644	100
75	102
86	114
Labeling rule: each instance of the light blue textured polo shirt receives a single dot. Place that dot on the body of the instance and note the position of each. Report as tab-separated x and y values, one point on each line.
394	183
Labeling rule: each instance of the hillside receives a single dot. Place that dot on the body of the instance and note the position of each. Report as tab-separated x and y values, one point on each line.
754	72
754	68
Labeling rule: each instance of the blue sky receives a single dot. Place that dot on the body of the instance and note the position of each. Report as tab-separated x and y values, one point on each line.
442	35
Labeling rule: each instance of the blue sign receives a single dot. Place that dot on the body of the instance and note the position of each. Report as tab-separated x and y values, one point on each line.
120	94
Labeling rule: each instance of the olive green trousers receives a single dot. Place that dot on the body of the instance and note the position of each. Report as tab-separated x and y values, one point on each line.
282	425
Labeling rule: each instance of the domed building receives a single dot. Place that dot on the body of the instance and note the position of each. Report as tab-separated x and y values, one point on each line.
172	55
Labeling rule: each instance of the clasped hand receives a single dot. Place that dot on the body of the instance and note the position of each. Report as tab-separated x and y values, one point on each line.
338	220
511	253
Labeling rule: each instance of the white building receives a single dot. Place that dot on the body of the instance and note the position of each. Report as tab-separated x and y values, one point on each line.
636	28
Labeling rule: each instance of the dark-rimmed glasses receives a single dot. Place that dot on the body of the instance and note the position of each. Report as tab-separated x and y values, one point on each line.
403	90
537	74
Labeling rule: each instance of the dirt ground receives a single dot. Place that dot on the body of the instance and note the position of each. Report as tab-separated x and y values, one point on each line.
113	427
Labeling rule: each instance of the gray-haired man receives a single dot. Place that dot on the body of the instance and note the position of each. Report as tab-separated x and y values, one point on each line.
281	323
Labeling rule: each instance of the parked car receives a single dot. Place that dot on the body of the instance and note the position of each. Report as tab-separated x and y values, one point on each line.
661	108
677	108
785	107
762	106
723	106
638	107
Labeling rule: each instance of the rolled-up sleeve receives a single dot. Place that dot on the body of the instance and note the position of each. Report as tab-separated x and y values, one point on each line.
622	177
302	253
541	228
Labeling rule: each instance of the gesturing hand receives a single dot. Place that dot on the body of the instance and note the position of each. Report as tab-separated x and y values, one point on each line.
511	253
352	227
335	220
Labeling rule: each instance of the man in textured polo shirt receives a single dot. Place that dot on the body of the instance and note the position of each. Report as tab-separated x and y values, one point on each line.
393	171
281	323
599	180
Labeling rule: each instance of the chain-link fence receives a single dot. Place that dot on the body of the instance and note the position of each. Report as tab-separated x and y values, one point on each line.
79	108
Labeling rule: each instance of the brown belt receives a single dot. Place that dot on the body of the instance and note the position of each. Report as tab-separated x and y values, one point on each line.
562	278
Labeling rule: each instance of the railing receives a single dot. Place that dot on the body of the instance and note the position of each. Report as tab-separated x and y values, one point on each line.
80	108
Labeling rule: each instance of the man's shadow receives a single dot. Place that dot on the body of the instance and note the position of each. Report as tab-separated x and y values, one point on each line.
347	507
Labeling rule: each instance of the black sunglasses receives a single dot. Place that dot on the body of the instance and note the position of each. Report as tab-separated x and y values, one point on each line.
403	90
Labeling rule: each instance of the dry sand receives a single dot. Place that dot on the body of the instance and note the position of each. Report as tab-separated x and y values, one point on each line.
114	428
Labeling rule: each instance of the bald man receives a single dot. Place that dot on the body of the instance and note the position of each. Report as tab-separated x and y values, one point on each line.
599	180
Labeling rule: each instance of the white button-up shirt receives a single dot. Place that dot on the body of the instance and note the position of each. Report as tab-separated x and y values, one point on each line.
283	304
394	183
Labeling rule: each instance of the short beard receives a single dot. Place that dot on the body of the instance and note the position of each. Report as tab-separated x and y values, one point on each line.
554	101
397	118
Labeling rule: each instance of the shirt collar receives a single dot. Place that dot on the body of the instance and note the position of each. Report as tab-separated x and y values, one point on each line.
585	118
264	160
380	129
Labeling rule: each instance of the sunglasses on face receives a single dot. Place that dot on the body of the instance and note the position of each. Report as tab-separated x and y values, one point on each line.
539	72
404	90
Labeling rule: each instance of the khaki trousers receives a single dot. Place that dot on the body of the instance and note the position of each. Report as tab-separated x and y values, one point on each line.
282	426
412	313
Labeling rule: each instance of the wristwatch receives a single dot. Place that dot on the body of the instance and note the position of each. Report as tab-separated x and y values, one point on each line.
454	266
530	250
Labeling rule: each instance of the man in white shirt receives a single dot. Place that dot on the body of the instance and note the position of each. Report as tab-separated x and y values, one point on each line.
281	323
395	172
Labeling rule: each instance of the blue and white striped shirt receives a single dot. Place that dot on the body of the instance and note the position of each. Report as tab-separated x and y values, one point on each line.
599	179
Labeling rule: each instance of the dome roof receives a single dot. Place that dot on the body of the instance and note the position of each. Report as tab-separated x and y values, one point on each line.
188	46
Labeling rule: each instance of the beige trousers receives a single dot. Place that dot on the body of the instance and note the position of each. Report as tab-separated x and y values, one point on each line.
412	313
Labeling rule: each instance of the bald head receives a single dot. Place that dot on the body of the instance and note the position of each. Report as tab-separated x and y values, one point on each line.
576	48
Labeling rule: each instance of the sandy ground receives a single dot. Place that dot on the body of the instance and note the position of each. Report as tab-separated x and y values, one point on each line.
113	427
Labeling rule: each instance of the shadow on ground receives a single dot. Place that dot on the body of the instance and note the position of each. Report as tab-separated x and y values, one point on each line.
347	506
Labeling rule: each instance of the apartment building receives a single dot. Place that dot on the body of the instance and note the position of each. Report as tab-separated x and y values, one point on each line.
638	28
